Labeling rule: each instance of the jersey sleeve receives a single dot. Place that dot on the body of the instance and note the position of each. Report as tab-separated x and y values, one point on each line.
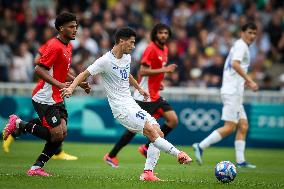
97	67
147	56
239	52
48	55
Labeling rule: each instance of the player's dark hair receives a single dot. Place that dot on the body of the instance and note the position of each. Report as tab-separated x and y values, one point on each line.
159	27
63	18
249	25
124	33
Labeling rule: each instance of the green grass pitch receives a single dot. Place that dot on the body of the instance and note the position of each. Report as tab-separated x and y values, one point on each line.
90	171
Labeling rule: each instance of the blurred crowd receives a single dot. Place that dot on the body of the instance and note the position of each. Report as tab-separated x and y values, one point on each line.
203	32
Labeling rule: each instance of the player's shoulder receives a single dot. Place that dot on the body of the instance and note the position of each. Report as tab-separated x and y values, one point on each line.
150	47
240	44
105	58
52	44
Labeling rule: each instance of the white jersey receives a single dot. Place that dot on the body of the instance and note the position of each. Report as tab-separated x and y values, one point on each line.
233	83
115	79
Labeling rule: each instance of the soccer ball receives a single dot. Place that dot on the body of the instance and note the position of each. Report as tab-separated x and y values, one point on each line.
225	171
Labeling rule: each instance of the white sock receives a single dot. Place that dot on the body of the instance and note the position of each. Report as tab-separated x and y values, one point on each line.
18	122
165	146
240	150
34	167
213	138
153	155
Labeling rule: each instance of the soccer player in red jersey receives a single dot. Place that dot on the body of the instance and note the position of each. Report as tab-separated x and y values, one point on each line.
152	72
60	154
53	71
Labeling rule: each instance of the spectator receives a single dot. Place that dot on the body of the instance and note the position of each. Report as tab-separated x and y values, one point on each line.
201	29
22	65
5	56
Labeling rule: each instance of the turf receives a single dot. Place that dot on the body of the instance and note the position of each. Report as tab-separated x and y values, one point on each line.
91	172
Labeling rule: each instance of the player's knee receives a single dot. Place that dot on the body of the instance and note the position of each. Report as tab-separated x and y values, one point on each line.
172	122
229	127
150	132
161	134
58	133
243	128
57	137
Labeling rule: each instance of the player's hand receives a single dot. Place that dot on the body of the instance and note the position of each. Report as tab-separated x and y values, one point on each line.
144	93
252	85
170	68
66	92
65	85
86	86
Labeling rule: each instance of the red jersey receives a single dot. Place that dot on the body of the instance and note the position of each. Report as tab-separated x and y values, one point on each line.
56	57
156	58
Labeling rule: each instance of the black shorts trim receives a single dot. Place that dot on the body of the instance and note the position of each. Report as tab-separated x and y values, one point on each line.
153	107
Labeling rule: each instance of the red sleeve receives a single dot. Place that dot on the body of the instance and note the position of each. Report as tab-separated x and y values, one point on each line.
147	56
48	55
41	49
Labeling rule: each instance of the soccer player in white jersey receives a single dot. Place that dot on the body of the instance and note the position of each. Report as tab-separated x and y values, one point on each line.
234	79
114	68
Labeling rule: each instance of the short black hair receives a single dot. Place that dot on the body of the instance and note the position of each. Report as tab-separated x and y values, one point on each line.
249	25
63	18
159	27
124	33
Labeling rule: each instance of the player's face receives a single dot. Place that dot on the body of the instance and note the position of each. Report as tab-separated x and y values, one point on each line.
128	45
69	30
162	36
249	36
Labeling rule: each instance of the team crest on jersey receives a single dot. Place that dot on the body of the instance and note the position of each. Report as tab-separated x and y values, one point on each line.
54	119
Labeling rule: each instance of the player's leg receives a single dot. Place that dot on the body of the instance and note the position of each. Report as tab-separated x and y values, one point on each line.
171	121
18	132
230	114
161	108
216	136
53	117
155	135
111	158
16	125
138	120
240	141
152	133
59	132
48	151
60	154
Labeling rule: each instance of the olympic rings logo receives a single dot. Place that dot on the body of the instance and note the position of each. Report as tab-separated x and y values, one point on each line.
201	119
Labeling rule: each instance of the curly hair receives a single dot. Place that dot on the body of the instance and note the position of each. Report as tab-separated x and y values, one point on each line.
157	28
63	18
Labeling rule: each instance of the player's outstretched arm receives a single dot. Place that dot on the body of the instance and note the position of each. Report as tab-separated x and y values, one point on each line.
249	82
67	92
84	85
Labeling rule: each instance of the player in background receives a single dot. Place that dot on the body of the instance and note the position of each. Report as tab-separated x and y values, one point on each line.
235	77
52	69
153	68
114	69
59	154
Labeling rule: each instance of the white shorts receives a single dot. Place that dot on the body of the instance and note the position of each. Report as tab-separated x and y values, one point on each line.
233	109
134	118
